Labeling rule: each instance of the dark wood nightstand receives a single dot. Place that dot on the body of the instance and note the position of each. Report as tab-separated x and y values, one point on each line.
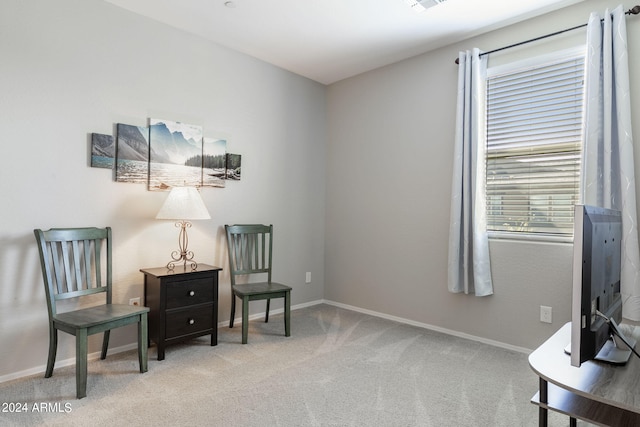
183	304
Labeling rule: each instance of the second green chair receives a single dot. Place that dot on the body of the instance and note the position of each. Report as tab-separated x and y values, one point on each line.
250	252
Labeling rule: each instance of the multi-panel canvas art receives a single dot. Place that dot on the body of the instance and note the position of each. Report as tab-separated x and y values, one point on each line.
103	151
132	154
165	154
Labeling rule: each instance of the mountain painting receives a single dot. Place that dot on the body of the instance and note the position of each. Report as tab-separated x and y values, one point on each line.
132	154
175	157
213	162
103	151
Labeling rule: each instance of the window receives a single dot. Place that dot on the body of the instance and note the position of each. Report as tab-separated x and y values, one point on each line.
534	142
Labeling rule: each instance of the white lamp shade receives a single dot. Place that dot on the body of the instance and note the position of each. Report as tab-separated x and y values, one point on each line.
183	203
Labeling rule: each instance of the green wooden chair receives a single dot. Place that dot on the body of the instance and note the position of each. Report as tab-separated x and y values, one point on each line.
76	262
250	252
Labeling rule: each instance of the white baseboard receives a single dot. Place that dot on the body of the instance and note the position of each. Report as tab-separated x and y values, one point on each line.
94	356
66	362
430	327
238	320
393	318
39	370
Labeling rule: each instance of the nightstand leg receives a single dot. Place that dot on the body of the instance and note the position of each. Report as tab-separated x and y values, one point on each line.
214	326
160	351
214	332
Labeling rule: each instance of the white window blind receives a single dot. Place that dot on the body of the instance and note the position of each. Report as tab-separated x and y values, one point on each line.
534	140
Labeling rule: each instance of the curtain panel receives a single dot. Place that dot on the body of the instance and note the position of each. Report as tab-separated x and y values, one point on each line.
608	177
469	267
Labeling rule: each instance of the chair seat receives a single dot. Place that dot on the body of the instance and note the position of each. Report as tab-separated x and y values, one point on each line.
93	316
259	288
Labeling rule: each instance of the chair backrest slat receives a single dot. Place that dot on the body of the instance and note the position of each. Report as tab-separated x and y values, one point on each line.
97	277
72	262
249	249
66	265
263	238
57	269
86	269
76	279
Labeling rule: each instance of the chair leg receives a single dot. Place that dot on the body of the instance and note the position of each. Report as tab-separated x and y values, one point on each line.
287	314
81	363
233	309
266	314
245	319
142	343
105	344
53	347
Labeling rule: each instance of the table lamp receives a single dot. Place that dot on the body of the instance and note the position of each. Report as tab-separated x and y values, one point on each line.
183	204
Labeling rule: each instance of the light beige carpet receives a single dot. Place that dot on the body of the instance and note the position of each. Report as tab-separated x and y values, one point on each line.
339	368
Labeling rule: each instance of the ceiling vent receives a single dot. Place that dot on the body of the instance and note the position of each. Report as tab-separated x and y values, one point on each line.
421	5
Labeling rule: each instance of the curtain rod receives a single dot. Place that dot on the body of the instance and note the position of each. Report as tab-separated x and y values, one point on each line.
633	11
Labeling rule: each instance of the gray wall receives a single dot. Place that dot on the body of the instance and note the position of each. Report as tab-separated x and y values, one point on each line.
72	67
367	158
389	161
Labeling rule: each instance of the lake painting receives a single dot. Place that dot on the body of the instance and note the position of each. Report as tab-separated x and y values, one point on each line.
175	157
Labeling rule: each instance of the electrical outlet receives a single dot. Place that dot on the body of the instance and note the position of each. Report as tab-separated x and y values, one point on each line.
308	277
545	314
134	301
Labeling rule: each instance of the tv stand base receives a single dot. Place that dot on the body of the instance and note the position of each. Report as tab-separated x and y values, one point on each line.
615	351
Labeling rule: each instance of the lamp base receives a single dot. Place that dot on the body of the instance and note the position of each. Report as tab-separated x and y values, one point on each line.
183	255
171	265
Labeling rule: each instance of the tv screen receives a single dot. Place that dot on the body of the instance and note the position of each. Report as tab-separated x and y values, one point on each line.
597	303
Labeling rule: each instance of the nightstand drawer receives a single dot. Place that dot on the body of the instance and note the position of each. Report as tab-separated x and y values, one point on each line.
189	292
189	321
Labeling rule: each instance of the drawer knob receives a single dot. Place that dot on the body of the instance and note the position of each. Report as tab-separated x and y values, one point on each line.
191	321
191	293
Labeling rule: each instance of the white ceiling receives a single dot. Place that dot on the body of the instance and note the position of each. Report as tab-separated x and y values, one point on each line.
329	40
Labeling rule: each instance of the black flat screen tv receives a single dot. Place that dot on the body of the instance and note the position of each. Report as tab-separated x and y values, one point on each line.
597	303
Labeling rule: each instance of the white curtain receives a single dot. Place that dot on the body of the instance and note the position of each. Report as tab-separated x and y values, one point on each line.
608	178
469	265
